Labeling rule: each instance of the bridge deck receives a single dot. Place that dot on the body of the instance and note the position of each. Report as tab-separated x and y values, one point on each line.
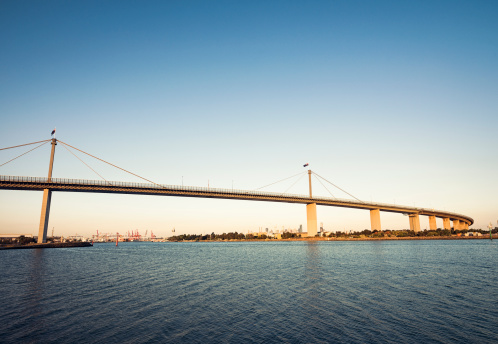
79	185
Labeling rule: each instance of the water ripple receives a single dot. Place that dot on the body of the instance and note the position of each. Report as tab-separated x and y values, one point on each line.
298	292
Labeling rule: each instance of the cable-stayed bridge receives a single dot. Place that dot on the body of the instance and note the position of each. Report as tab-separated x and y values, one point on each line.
49	185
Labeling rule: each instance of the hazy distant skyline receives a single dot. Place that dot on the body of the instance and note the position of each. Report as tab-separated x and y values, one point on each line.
395	102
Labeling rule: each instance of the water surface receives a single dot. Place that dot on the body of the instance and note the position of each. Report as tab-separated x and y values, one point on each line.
254	292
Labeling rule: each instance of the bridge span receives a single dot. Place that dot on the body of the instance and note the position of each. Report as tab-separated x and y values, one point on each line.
49	185
97	186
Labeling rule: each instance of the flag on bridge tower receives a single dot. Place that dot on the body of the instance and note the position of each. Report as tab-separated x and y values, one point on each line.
53	132
305	165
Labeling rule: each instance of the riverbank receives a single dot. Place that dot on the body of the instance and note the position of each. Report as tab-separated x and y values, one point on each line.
47	245
391	238
350	239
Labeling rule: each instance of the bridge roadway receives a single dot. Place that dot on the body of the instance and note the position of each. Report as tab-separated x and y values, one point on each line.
78	185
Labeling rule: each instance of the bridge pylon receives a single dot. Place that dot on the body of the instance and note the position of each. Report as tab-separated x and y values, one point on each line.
312	224
47	198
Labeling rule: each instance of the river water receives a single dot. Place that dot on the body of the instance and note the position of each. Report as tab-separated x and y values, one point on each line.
252	292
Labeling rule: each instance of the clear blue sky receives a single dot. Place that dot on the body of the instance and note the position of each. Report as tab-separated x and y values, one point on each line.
394	101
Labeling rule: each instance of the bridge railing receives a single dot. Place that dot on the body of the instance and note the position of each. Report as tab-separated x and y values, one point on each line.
235	192
64	181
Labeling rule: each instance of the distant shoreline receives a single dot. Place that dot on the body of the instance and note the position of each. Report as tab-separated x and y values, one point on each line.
87	244
348	239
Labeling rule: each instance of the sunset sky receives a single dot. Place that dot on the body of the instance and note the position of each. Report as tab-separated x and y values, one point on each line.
393	101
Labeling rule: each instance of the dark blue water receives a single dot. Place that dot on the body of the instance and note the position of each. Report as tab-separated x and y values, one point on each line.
298	292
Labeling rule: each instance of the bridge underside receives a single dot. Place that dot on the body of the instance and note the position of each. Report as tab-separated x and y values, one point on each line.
70	185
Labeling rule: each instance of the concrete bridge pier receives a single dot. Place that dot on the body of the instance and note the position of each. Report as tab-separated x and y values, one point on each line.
456	225
375	219
312	224
45	213
47	198
414	222
446	223
432	222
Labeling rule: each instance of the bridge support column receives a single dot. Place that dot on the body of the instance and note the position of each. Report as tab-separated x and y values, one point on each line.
375	220
47	198
414	222
45	213
446	223
312	222
432	222
456	225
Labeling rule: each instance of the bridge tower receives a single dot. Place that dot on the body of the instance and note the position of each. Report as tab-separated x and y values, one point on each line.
312	225
47	197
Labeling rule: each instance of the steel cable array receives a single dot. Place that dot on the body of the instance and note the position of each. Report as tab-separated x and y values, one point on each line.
44	142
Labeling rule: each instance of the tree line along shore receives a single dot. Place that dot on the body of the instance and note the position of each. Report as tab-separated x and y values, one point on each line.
363	235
